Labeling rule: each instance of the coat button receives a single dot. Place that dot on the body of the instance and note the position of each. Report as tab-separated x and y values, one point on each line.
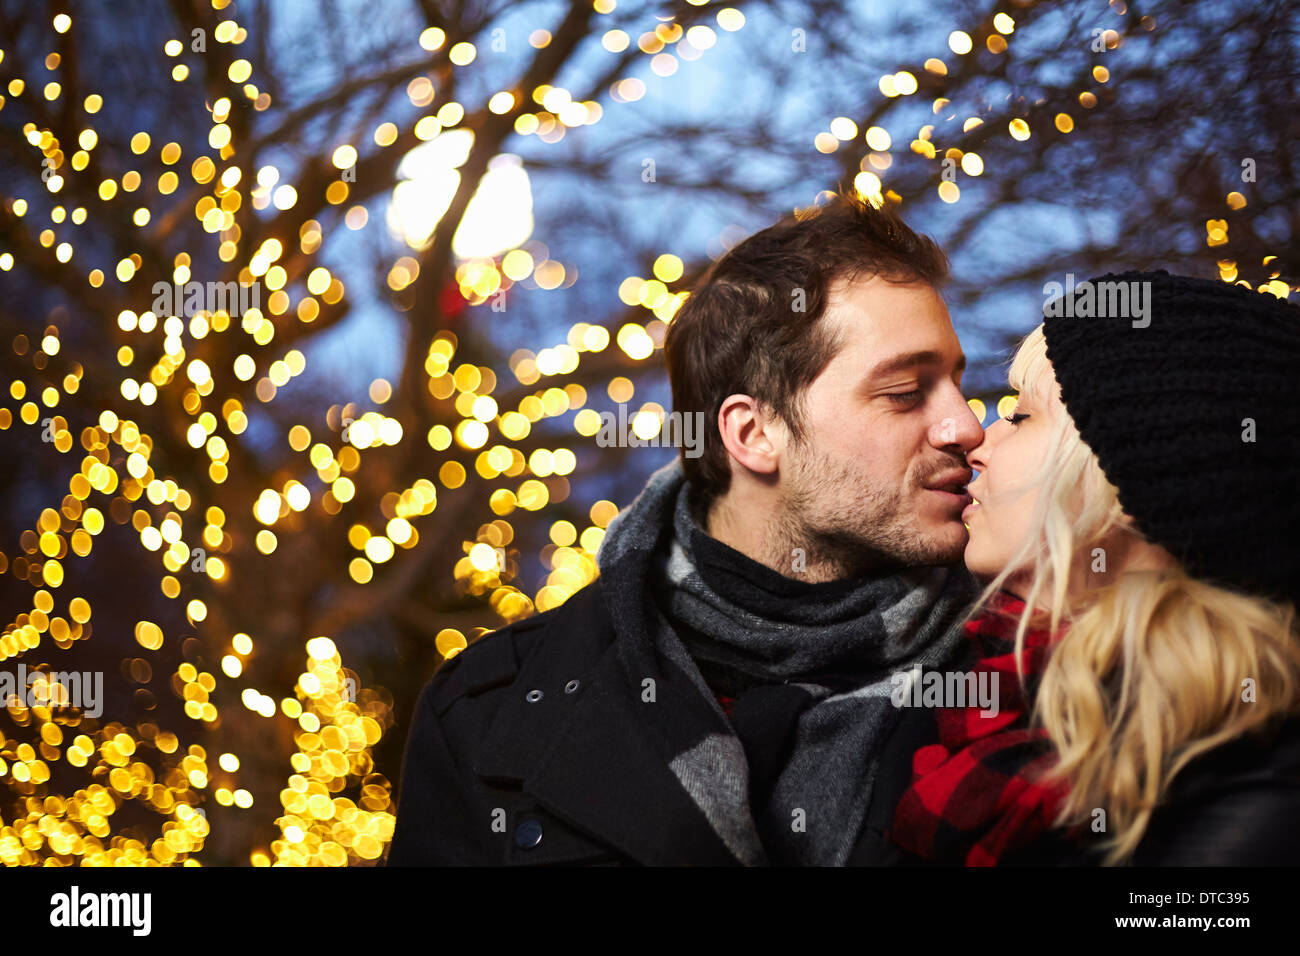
528	834
533	696
570	687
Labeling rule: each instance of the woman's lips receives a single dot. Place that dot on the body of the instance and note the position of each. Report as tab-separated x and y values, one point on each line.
969	510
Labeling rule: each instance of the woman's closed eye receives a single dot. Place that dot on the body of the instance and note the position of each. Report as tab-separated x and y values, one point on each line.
1015	418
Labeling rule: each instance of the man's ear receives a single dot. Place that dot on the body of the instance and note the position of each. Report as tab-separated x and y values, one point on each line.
753	436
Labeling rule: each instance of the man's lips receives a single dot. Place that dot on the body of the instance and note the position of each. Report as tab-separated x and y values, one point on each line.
961	500
953	487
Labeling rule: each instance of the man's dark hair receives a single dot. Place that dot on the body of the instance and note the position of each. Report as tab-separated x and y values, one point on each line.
751	326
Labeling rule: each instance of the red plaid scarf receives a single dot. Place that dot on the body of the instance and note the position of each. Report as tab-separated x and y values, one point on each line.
973	797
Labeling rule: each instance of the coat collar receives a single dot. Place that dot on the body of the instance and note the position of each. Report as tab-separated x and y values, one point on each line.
585	754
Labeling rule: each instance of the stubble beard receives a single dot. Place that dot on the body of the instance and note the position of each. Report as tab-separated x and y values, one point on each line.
850	527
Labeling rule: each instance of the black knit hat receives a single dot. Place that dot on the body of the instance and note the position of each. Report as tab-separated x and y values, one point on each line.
1191	402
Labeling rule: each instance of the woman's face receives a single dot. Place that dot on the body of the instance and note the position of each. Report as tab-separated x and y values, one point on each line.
1009	461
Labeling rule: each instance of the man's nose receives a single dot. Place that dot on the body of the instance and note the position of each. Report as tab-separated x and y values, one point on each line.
961	429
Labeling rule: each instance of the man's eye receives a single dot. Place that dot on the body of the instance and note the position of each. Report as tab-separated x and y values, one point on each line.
905	398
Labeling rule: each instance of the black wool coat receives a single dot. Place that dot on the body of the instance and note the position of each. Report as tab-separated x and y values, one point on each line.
527	748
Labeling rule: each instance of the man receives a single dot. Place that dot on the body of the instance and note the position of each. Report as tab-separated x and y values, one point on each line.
720	694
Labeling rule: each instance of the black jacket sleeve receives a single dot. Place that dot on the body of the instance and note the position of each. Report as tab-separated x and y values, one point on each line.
435	821
1249	826
1235	806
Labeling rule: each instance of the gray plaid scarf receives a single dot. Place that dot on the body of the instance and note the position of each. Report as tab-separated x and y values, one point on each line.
817	658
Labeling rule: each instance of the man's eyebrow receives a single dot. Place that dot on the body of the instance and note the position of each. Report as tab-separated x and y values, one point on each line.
908	360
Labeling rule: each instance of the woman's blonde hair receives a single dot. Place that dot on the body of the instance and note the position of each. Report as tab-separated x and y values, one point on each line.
1154	667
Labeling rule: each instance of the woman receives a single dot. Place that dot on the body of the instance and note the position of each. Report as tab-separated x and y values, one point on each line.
1136	521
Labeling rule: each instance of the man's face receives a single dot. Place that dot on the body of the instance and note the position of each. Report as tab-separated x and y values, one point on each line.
881	470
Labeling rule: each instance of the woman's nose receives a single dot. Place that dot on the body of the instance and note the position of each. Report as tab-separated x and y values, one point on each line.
977	456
